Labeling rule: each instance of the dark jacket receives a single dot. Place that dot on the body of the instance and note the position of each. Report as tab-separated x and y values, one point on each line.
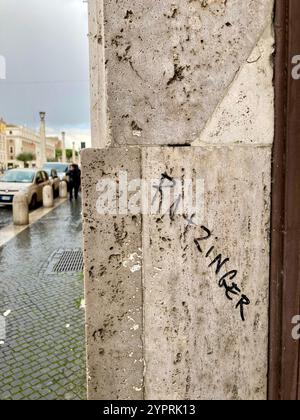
74	177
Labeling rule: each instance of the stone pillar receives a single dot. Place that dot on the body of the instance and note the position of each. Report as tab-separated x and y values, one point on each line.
177	202
5	152
20	209
73	153
63	141
63	189
48	199
43	151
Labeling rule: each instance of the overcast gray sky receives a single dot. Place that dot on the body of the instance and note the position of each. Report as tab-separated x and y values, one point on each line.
45	45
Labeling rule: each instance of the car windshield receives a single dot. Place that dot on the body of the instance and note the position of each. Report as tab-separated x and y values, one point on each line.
25	177
59	167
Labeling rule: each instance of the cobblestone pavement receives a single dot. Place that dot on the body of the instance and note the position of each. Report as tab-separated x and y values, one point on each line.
43	354
5	216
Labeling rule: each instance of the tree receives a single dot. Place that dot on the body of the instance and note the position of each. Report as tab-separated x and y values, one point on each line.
26	157
58	154
69	154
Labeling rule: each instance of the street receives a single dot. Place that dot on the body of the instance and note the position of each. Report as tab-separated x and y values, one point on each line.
5	216
43	353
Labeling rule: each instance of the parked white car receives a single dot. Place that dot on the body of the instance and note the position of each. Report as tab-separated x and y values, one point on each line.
29	181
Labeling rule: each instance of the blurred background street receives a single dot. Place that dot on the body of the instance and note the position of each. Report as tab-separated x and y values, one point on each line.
43	354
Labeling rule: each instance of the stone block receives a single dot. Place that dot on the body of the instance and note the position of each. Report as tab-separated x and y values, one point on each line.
113	289
160	68
186	296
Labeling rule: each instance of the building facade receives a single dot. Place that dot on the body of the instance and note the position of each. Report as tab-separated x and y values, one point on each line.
55	142
21	139
3	155
52	143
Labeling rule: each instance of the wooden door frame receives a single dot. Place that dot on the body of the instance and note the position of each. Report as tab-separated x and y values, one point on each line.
284	351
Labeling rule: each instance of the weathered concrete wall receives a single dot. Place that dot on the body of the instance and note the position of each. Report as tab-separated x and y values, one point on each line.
194	335
113	291
159	68
192	338
162	320
97	73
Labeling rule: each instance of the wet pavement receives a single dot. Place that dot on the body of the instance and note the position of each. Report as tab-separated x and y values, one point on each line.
43	355
5	216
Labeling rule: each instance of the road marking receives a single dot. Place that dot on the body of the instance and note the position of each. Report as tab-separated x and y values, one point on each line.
11	231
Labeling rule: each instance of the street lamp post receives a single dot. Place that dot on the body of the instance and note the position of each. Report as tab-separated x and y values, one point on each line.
43	152
74	153
64	157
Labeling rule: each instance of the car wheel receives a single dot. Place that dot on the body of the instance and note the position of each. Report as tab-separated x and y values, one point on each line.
33	203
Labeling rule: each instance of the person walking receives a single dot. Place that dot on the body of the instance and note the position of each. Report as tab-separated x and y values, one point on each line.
74	175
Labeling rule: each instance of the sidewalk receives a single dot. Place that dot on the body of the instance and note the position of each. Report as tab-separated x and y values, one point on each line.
43	355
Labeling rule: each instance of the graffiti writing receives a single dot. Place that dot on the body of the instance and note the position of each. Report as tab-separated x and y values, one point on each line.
225	279
166	181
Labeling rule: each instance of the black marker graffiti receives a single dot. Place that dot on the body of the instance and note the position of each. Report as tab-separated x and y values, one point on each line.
231	288
225	282
159	188
166	181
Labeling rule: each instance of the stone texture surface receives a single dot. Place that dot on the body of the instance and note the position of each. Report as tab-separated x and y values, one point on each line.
20	209
196	345
97	73
167	64
113	287
192	338
246	113
48	196
174	73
